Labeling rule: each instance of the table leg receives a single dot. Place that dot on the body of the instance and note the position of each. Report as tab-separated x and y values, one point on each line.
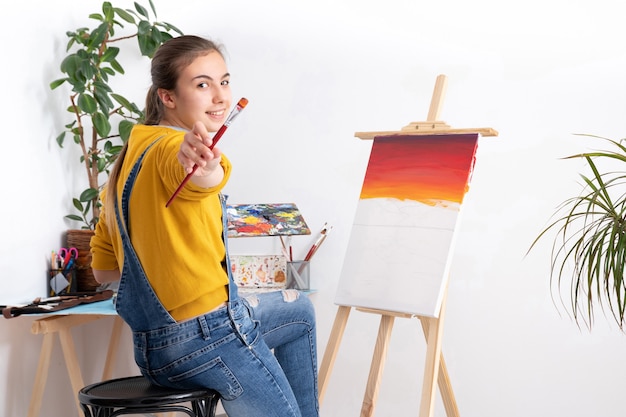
71	361
107	373
42	375
49	327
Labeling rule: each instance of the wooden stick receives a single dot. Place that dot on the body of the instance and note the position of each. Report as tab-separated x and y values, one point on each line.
42	375
483	131
71	361
433	356
378	364
443	381
332	347
443	378
436	103
116	331
433	124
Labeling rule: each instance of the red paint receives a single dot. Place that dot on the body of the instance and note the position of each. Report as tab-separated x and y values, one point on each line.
428	168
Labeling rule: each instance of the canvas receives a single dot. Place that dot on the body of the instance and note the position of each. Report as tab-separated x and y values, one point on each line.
402	237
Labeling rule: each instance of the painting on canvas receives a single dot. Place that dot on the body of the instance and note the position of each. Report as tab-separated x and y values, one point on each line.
398	254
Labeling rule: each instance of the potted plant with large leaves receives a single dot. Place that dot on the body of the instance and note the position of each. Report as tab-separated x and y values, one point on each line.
101	118
589	249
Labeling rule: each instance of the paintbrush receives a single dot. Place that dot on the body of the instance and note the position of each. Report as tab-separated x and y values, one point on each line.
240	105
323	233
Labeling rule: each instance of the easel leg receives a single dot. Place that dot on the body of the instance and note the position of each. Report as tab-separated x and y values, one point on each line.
435	367
378	363
443	381
433	356
433	329
42	375
330	354
447	395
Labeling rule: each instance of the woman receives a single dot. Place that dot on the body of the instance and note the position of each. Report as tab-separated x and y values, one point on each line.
190	328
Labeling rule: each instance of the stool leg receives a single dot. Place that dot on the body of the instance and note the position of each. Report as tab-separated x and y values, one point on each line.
205	407
95	411
86	410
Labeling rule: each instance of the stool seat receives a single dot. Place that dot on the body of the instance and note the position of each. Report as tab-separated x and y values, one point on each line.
135	394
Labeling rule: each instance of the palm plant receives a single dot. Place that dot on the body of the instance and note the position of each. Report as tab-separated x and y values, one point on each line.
590	244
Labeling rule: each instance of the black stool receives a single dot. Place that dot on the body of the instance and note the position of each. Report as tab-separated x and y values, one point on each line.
135	395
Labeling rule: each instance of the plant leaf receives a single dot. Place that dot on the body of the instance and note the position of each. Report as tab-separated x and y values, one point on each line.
141	10
54	84
89	194
125	127
87	103
109	54
102	124
589	249
60	139
125	15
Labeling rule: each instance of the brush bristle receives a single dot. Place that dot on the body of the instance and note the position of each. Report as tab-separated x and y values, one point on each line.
243	102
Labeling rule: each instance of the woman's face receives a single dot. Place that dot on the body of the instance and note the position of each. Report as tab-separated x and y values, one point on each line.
202	94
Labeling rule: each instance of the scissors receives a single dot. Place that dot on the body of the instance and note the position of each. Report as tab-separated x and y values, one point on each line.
66	254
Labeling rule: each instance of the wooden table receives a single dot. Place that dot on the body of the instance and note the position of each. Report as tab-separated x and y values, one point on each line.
60	323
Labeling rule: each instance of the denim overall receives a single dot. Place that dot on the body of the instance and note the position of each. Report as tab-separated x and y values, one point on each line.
258	353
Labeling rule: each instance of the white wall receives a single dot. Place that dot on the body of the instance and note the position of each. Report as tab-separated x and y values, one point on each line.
315	72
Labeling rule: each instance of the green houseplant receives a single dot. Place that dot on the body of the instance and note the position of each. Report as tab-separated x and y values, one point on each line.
589	249
102	118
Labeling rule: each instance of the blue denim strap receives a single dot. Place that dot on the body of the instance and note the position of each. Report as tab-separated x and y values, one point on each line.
134	284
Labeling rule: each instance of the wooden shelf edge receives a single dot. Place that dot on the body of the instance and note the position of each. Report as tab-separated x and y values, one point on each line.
483	131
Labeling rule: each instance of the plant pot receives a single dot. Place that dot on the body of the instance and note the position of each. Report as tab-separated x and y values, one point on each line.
79	239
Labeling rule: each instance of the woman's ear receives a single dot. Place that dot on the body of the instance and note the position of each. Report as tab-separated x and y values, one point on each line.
167	98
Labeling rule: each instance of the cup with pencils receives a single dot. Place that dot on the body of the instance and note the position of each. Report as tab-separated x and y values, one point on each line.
62	272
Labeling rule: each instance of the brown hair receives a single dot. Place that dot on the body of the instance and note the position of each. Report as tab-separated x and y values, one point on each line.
167	63
169	59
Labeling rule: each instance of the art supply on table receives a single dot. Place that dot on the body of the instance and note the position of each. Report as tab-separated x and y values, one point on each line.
284	248
298	275
259	273
243	102
304	264
67	255
265	219
56	303
323	233
62	273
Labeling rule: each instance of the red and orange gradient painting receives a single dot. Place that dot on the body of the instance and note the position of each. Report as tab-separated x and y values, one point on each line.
431	169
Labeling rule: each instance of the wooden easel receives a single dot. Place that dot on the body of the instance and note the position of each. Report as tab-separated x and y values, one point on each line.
435	368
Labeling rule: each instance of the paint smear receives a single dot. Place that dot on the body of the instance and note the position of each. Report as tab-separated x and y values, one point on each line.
432	169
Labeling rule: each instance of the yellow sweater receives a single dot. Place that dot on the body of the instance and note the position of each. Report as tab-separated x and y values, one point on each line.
180	247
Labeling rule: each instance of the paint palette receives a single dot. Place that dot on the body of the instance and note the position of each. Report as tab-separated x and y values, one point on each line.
259	273
274	219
